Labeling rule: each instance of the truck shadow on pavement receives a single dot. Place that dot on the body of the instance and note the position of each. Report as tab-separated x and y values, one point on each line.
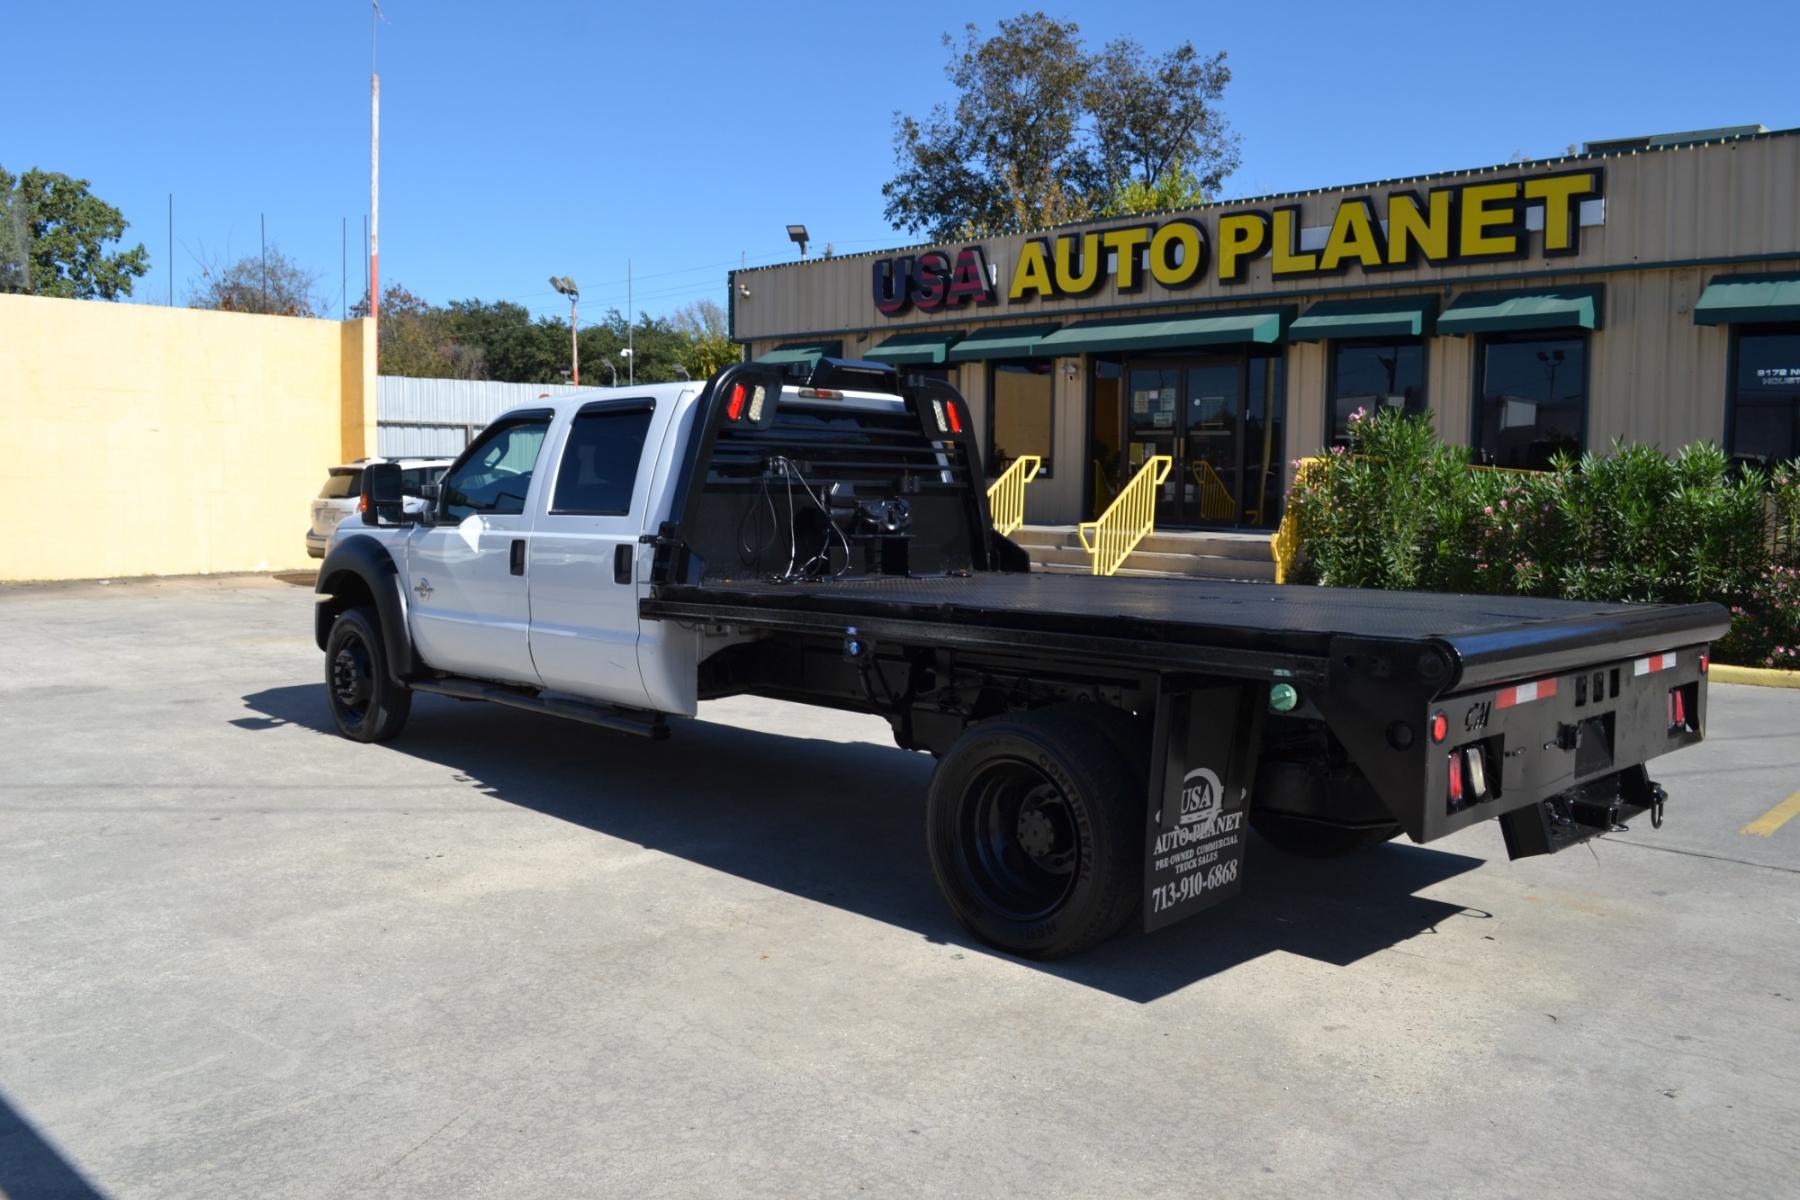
33	1169
842	823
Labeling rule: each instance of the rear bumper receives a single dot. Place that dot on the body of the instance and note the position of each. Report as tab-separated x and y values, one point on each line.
316	543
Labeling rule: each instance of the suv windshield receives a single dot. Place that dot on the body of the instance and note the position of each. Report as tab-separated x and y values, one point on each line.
342	483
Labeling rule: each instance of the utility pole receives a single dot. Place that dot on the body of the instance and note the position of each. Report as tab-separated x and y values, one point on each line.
375	15
630	332
171	249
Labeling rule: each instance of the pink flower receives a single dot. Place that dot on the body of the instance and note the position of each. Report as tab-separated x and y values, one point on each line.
1488	511
1503	506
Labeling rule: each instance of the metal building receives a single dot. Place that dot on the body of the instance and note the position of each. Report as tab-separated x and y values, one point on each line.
1646	289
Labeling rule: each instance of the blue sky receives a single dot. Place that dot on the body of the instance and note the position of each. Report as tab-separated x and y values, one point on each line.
524	139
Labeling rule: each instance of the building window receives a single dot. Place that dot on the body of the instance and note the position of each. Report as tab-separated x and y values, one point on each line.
1021	407
1373	376
1530	399
1765	394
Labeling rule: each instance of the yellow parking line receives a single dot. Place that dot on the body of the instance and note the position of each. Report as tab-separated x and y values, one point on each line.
1775	818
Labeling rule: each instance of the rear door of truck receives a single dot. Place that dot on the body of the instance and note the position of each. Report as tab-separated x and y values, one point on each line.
585	551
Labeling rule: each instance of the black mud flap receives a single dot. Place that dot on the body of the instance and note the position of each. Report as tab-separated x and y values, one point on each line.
1202	773
1570	819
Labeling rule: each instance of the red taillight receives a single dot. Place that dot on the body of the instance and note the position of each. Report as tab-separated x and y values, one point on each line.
1456	779
1677	710
1440	727
1704	659
734	411
955	417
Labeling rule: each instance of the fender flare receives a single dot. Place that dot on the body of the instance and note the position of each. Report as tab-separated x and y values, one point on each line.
363	558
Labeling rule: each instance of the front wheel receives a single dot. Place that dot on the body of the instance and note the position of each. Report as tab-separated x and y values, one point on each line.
1035	823
366	704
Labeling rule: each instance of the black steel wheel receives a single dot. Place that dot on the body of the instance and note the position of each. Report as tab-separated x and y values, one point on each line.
1035	826
366	705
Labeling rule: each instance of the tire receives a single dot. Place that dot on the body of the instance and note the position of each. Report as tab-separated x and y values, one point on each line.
1035	825
366	704
1308	838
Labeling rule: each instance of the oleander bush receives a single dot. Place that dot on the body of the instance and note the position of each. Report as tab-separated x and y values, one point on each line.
1398	508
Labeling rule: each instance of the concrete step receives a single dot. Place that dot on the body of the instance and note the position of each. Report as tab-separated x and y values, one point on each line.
1250	545
1032	536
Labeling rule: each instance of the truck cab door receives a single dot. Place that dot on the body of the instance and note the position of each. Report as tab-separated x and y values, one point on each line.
469	606
586	561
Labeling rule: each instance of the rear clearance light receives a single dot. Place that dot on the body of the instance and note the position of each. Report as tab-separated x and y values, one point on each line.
1704	660
1440	727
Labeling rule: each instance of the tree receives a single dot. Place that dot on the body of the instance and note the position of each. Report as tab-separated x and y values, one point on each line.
1151	117
418	340
1175	188
1043	132
710	348
272	283
66	232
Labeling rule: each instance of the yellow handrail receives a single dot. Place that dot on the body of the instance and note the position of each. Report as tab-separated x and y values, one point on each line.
1216	503
1128	519
1006	495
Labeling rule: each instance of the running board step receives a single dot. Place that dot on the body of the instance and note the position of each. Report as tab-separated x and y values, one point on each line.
623	720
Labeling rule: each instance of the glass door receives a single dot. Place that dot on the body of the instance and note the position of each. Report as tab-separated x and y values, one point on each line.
1210	458
1151	427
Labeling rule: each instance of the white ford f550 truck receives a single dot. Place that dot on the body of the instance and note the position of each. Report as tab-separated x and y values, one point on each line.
1104	746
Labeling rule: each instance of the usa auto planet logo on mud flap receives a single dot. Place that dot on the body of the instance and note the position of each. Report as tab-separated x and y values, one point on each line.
1202	799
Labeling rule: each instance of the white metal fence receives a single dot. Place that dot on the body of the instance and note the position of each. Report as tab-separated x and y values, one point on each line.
436	418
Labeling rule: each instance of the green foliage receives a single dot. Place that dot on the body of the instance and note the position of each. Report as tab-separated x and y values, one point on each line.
1044	132
1175	188
1400	509
271	283
65	230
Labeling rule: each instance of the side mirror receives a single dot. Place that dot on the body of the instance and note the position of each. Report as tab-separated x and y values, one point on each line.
381	503
428	503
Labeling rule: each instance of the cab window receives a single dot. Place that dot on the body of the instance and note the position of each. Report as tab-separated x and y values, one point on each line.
600	463
496	476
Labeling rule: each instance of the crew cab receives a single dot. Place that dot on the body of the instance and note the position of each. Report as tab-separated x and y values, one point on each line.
1104	746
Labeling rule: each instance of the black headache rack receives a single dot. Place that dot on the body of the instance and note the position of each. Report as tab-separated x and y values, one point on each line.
817	484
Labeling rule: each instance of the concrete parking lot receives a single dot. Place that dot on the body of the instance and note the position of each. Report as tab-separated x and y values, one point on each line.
507	956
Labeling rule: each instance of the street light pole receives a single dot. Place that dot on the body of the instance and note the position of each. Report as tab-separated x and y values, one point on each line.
566	286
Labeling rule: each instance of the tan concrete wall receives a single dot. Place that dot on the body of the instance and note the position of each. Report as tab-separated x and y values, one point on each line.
161	441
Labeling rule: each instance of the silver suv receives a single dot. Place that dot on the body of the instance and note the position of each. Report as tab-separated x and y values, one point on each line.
343	487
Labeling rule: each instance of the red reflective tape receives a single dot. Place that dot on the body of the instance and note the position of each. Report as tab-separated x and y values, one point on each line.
1653	664
1525	693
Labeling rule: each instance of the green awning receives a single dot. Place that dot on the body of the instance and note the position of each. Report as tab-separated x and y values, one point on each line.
806	353
1389	316
1192	329
1501	312
1005	341
927	349
1736	300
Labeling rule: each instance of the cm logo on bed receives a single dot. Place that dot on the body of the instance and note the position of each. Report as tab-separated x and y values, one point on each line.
1202	797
